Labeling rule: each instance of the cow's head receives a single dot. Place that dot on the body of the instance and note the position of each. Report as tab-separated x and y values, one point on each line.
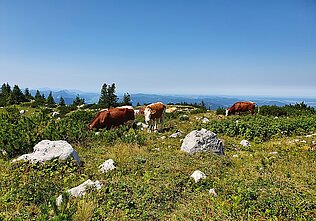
227	111
147	114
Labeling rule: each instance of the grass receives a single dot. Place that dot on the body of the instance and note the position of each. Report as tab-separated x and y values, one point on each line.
152	180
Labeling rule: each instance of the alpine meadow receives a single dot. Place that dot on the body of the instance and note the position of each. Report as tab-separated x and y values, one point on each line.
272	177
157	110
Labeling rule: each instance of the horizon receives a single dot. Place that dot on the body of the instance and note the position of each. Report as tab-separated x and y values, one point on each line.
168	94
205	48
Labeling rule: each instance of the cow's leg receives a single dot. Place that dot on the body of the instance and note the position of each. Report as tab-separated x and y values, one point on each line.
155	127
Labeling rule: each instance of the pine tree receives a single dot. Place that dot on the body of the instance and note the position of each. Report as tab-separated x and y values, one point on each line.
62	102
39	99
108	97
17	96
5	94
138	104
103	100
112	96
50	100
127	99
78	101
28	95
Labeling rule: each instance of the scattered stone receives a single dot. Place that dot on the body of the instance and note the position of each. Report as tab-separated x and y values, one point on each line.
205	120
163	137
107	166
142	125
22	111
201	141
198	175
274	153
55	114
48	150
3	152
212	191
184	117
245	143
80	190
176	134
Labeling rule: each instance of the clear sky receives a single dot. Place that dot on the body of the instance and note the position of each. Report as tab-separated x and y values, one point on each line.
207	47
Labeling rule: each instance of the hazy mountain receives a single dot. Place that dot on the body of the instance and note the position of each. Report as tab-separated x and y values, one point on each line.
212	102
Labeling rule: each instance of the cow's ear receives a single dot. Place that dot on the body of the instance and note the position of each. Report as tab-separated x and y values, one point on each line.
153	111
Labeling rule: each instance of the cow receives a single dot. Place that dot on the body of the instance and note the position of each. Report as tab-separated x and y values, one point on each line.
153	113
242	106
112	117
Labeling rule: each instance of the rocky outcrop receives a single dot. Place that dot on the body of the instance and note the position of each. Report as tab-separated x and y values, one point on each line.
80	190
48	150
107	166
201	141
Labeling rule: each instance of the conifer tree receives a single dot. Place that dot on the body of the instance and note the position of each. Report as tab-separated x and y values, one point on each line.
108	97
127	99
50	100
39	99
62	101
78	101
5	94
28	95
17	96
112	96
103	100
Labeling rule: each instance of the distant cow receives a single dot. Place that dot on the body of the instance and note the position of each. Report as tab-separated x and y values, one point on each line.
153	113
242	106
112	117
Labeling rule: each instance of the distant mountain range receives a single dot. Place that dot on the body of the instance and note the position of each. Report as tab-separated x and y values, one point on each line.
212	102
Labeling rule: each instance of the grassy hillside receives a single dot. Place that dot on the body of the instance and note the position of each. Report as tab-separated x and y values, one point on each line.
274	179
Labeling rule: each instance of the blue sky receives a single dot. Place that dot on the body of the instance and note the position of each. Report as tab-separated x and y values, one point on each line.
207	47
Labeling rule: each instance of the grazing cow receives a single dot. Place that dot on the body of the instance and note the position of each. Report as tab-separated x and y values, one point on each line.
242	106
112	117
153	113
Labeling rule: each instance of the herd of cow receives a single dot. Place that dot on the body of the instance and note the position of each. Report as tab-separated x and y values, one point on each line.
153	114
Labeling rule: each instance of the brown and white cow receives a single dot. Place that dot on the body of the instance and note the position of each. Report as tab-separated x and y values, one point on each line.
153	113
242	106
112	117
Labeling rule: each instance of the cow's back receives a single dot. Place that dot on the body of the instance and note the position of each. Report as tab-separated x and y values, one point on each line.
242	106
159	108
118	116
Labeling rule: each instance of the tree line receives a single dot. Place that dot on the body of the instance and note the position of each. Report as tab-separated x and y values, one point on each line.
11	96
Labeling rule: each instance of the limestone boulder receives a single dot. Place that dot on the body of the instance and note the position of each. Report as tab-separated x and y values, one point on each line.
48	150
201	141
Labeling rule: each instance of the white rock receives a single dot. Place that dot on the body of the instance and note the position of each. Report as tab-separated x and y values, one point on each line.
80	190
198	175
303	141
201	141
212	191
309	135
235	155
54	114
97	133
22	111
48	150
107	166
205	120
245	143
176	134
274	153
